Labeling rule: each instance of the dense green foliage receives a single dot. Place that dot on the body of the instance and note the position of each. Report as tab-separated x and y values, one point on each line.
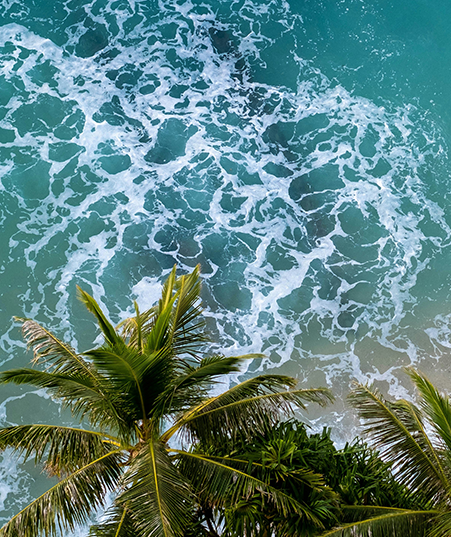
152	425
331	484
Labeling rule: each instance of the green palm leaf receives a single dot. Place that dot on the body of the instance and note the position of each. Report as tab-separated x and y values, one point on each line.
385	522
102	406
118	523
191	386
134	328
107	328
397	430
214	366
441	525
250	388
435	406
65	449
246	406
68	503
187	323
168	290
123	367
52	352
159	336
142	378
159	499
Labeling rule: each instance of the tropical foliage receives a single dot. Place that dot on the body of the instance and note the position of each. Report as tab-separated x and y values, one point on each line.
152	426
416	440
286	458
331	484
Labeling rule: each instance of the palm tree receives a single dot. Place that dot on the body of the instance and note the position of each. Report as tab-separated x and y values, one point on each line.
144	395
416	440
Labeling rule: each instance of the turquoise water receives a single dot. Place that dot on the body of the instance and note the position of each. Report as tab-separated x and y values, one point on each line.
297	150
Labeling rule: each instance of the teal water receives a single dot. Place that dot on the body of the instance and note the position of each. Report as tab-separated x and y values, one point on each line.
299	151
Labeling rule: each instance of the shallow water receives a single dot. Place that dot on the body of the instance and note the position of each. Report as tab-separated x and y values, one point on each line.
297	150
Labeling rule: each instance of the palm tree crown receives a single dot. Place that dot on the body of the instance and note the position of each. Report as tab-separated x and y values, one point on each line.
147	384
416	440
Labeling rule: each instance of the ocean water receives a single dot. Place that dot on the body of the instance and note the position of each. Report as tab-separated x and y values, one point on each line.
297	150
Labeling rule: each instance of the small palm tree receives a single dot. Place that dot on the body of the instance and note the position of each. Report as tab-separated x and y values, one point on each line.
416	440
146	385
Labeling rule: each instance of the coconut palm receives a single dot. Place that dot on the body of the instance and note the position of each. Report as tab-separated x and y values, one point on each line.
416	440
143	405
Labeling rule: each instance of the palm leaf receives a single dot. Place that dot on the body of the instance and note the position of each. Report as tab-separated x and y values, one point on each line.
52	352
68	503
441	525
159	499
168	289
118	523
159	335
397	431
305	476
384	522
187	324
65	449
135	328
214	366
251	414
124	370
435	406
142	378
102	406
191	386
252	387
107	328
246	406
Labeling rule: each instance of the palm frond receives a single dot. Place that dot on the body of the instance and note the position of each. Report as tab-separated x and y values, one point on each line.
65	449
187	324
225	482
251	414
107	328
168	289
142	378
384	522
159	499
436	407
214	366
135	328
117	523
52	352
159	335
246	406
440	525
124	368
68	503
100	403
190	387
396	429
247	389
305	476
